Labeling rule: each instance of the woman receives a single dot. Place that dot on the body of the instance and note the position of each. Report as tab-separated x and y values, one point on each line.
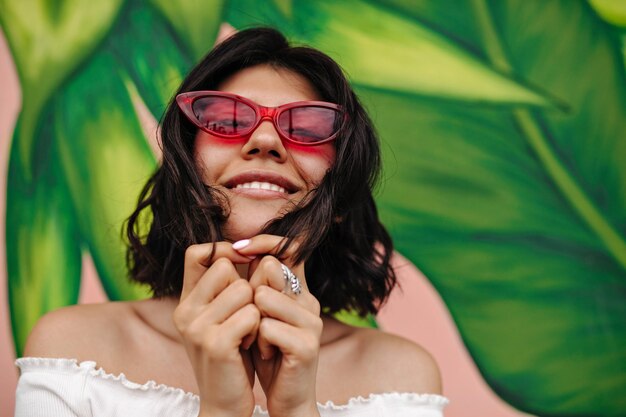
268	166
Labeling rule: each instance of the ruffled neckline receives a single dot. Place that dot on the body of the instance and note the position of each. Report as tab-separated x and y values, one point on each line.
72	365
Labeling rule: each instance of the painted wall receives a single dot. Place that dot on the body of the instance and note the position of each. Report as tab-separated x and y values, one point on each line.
502	124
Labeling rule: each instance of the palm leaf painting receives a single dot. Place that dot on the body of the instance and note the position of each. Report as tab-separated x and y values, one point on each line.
503	133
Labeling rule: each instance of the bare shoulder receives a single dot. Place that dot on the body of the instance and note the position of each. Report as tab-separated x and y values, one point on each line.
396	364
83	332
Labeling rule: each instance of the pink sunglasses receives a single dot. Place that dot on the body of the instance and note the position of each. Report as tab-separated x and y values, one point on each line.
230	116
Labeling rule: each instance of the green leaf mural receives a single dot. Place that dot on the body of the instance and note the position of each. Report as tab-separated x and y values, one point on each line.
517	215
195	23
503	132
359	44
105	160
76	170
43	252
48	40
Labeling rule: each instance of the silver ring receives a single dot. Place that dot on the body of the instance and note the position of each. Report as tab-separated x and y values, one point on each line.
292	283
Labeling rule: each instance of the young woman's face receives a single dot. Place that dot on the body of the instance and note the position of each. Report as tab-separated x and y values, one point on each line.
244	169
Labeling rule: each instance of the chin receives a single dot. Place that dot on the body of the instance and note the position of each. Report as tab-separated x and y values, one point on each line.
234	231
248	220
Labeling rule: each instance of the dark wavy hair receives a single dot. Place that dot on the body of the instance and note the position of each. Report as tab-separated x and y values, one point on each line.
345	247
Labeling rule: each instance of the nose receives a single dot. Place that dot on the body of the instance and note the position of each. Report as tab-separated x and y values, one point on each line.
265	142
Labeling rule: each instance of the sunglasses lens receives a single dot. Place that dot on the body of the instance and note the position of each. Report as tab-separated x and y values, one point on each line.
310	124
224	115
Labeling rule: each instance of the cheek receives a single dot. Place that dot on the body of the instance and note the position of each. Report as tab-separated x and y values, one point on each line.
315	161
211	155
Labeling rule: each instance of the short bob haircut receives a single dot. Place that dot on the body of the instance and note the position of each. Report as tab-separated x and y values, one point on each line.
345	247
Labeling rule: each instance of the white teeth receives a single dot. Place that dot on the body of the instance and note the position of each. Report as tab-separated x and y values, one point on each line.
261	186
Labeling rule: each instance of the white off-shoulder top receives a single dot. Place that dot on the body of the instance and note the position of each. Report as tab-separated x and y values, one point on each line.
66	388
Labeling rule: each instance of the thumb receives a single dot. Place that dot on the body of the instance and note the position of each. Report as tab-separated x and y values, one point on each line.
248	364
264	368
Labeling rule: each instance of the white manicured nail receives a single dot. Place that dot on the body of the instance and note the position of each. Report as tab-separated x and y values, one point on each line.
240	244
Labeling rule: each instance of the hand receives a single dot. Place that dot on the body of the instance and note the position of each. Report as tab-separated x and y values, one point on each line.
290	323
215	316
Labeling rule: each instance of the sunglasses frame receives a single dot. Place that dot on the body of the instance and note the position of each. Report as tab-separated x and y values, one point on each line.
185	103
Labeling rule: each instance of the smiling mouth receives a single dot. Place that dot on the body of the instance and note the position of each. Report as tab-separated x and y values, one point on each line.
259	185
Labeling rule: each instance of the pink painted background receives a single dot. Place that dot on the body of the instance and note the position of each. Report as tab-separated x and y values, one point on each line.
417	313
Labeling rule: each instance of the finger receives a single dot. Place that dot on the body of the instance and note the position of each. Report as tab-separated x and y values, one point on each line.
266	245
242	323
198	258
234	297
290	340
212	282
268	272
249	365
266	349
303	312
215	280
217	338
247	341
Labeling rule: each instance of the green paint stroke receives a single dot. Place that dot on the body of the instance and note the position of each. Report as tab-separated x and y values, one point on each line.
360	44
47	44
195	23
572	192
285	6
612	11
